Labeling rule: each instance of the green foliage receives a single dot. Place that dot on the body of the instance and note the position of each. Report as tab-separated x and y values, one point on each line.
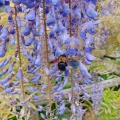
66	115
68	85
110	105
2	9
14	118
107	76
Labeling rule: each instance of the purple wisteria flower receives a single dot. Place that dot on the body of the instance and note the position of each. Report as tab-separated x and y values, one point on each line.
46	39
97	92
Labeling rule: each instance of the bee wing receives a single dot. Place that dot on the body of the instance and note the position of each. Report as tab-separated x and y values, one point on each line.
53	61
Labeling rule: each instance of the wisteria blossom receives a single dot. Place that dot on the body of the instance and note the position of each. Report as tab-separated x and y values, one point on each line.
56	39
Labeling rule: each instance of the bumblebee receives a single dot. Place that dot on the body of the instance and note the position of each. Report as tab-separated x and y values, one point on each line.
62	62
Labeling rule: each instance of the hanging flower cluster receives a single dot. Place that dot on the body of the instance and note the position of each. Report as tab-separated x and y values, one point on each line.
97	91
53	35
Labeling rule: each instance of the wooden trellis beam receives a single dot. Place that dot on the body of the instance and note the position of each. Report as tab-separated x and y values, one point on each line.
105	84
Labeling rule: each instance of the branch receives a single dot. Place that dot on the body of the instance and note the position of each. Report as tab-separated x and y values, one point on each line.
111	57
105	84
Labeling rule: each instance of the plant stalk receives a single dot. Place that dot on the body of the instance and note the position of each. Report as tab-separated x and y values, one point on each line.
47	57
20	60
19	55
70	32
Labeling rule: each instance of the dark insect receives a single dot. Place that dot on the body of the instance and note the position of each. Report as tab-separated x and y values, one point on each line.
62	62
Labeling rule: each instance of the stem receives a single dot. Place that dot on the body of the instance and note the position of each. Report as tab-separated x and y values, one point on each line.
47	56
19	55
70	31
20	60
70	16
111	57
